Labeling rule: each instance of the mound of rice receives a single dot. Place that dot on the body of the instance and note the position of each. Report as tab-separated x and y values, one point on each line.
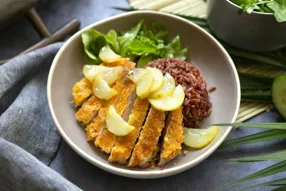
197	105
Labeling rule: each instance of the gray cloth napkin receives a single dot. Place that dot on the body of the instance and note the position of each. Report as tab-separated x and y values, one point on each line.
28	136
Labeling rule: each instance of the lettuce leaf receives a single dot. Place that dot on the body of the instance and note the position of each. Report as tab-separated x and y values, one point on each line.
93	41
279	9
173	50
111	38
145	60
128	37
141	44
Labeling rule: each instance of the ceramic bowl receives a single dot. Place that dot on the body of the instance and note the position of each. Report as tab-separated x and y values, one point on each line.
205	53
259	32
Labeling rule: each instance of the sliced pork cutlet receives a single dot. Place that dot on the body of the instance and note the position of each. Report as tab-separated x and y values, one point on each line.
106	139
91	106
122	62
81	91
124	145
89	110
172	136
147	146
95	127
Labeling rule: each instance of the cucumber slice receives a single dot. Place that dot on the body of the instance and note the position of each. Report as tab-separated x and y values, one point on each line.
279	94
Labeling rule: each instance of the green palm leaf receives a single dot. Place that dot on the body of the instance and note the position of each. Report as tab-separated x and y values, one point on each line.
244	86
277	156
255	125
270	183
283	188
256	138
264	97
274	169
260	78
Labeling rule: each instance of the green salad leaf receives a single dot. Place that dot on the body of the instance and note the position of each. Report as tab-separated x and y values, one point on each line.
93	41
141	43
173	50
145	60
279	8
161	32
111	38
128	37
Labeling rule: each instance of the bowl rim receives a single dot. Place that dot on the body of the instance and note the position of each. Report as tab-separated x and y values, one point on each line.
253	12
129	172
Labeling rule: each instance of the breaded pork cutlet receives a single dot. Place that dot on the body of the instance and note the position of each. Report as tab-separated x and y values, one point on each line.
147	146
81	91
122	62
172	136
89	110
95	127
106	139
125	144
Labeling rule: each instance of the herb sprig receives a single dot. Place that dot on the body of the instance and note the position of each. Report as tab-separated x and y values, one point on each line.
277	7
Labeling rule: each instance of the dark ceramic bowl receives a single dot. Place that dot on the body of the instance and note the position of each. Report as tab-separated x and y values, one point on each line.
257	31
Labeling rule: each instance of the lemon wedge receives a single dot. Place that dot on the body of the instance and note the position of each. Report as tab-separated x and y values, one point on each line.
109	74
199	138
158	78
167	88
171	102
101	89
107	55
136	74
143	87
115	124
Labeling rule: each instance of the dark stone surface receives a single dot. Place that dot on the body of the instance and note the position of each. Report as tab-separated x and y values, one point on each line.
210	174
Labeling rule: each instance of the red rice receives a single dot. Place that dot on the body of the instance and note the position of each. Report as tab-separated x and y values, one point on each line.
197	105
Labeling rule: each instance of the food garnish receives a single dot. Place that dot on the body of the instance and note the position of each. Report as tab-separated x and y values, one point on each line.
158	79
101	89
199	138
109	74
136	74
277	7
168	87
107	55
160	90
170	102
145	84
115	124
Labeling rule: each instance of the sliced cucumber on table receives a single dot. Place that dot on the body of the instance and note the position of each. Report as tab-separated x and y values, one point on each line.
279	94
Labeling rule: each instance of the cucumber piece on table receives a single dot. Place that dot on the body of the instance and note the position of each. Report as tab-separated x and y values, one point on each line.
279	94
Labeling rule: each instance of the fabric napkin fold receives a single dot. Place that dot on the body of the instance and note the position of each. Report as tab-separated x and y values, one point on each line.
28	137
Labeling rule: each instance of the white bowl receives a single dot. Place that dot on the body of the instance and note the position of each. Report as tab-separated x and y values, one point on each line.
204	52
